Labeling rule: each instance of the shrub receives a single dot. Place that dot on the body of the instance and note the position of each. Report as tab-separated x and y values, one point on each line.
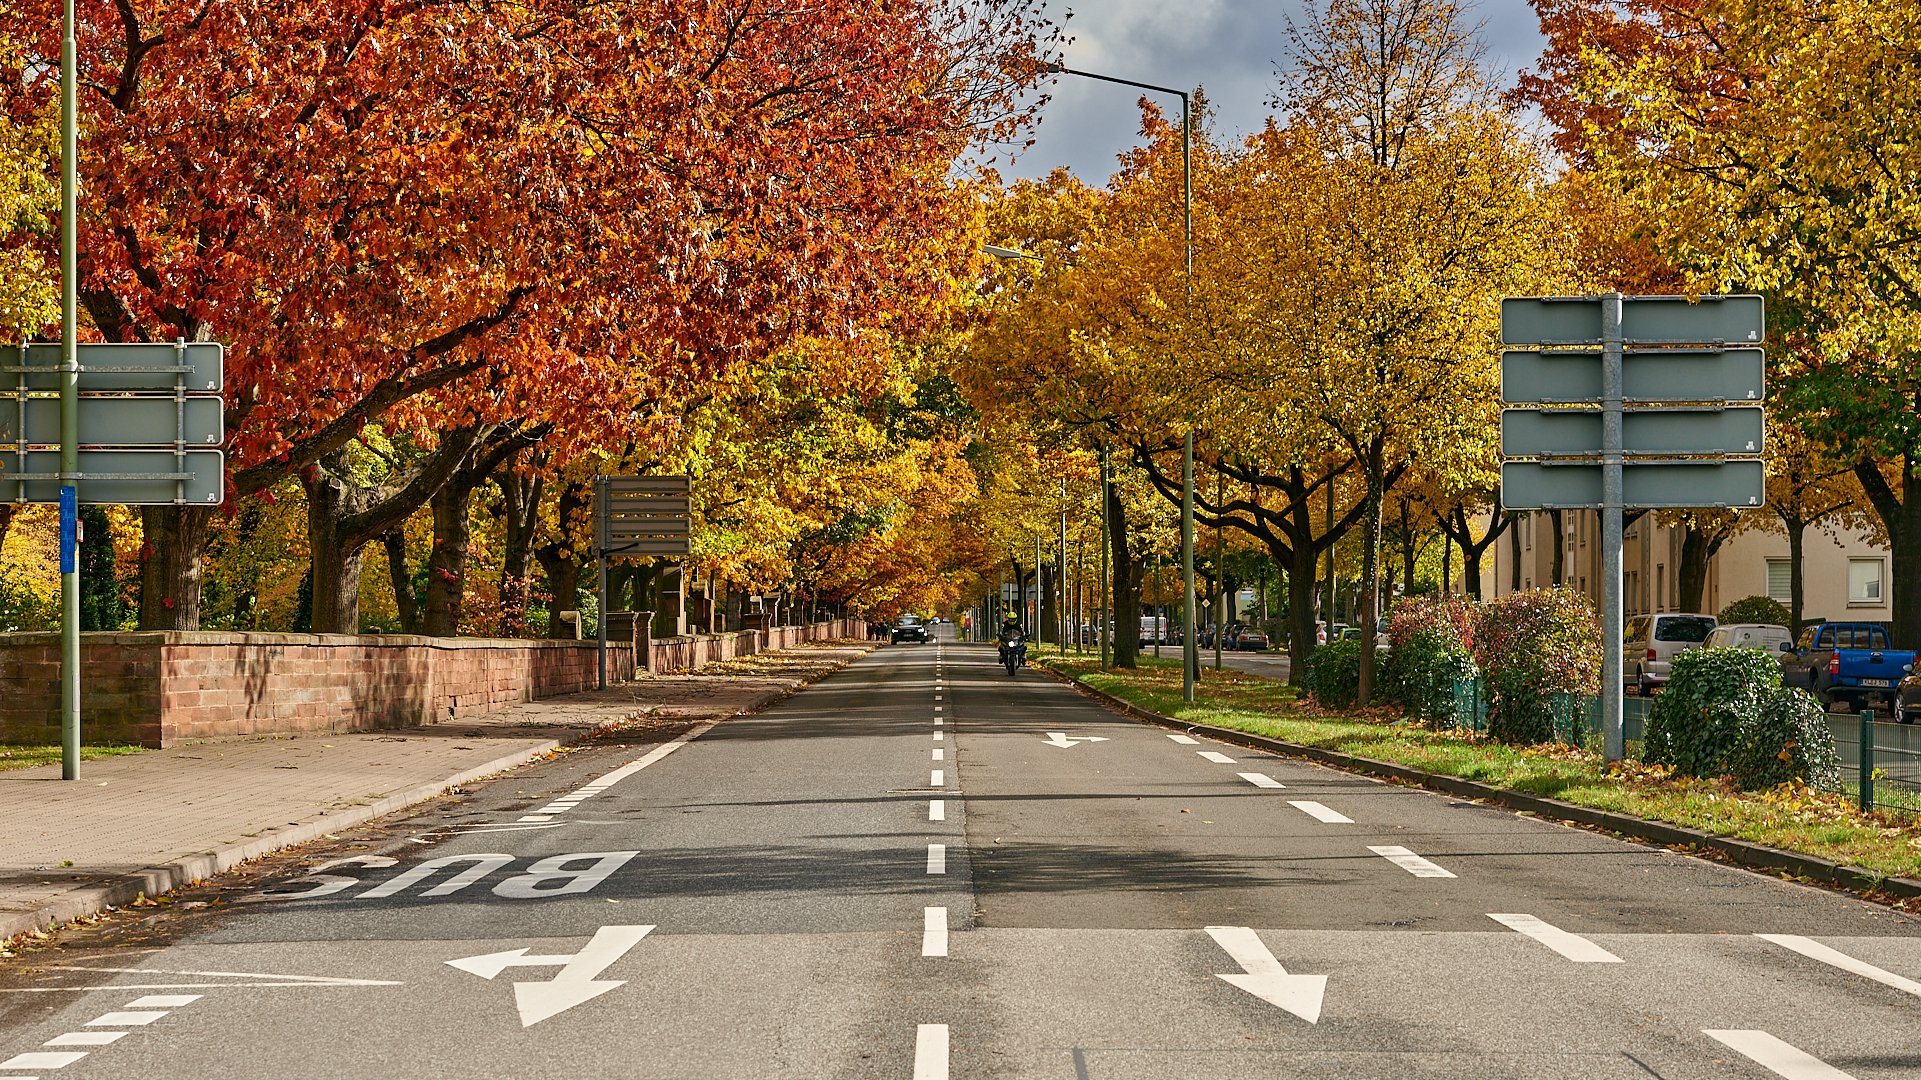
1419	674
1531	646
1724	712
1333	675
1755	609
1451	616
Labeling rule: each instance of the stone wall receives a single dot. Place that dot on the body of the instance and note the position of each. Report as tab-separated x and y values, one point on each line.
685	653
155	689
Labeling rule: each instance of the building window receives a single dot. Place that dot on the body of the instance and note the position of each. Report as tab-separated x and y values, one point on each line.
1864	581
1781	580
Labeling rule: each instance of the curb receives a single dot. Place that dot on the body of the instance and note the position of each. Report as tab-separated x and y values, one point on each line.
1740	852
159	880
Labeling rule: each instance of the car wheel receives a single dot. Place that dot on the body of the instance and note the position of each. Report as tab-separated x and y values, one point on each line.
1902	714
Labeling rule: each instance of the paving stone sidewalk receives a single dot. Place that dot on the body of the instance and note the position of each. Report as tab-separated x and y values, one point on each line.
154	821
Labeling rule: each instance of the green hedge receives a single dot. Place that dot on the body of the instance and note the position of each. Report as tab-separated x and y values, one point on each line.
1725	713
1419	674
1755	609
1533	646
1333	674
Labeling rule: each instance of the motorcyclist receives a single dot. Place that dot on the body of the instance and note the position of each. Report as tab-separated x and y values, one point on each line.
1011	630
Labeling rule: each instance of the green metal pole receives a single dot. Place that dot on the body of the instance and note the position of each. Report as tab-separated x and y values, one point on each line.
1190	646
1107	573
69	405
1867	760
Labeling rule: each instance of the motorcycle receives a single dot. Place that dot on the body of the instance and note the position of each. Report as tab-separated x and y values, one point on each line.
1014	653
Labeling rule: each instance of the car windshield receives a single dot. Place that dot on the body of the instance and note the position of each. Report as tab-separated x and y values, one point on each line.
909	620
1683	629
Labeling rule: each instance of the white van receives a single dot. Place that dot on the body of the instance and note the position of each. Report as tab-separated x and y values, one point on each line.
1764	636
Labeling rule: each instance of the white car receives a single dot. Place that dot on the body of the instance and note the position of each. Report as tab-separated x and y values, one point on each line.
1764	636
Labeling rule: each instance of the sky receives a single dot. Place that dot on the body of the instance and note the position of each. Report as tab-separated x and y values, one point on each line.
1231	48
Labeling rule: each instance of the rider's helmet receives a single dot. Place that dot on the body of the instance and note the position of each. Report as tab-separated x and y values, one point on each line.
1011	617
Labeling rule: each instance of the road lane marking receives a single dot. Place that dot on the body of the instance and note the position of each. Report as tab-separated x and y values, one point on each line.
930	1052
1066	742
939	779
532	818
85	1038
937	708
576	981
937	858
939	736
1261	780
1777	1057
57	1059
164	1001
1320	813
939	753
933	935
1814	950
937	721
1410	862
1265	978
1216	757
1573	946
125	1019
937	810
936	697
1184	740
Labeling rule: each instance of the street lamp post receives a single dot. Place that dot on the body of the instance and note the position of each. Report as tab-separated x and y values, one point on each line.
1190	649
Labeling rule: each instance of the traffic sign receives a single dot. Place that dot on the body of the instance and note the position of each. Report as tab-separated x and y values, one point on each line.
1664	485
147	477
118	421
1645	320
648	485
621	528
1528	433
1564	376
122	366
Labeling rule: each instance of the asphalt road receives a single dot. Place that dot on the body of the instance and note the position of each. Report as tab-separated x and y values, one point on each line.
924	868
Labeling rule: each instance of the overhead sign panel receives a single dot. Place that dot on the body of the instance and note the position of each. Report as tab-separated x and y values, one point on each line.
117	477
1668	432
620	527
653	545
652	506
117	366
1645	320
1645	485
118	421
647	485
1558	377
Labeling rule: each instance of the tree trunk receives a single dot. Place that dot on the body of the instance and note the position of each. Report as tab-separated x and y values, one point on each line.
172	556
447	559
6	519
336	557
1560	545
1300	609
1126	586
1797	586
560	563
1905	596
395	541
1692	574
1371	570
520	511
1514	548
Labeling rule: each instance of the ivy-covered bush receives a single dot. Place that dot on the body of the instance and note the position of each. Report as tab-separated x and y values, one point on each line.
1725	713
1531	646
1431	636
1453	617
1756	609
1333	674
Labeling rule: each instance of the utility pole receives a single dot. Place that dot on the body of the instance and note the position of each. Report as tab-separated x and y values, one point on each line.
1190	645
69	403
1107	582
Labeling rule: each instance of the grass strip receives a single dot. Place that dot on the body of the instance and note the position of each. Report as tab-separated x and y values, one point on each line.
1792	819
29	757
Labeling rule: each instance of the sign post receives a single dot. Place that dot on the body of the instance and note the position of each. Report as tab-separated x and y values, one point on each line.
638	515
1664	416
69	396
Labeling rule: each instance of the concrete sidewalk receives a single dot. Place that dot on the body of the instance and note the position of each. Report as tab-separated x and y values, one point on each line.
151	822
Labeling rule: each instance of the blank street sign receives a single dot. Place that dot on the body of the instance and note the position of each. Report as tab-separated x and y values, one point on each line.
1647	485
117	421
1645	320
656	545
647	485
650	505
661	526
1532	377
1667	432
150	366
104	481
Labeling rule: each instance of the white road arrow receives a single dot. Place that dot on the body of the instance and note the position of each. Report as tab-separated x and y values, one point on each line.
574	984
1266	978
1063	739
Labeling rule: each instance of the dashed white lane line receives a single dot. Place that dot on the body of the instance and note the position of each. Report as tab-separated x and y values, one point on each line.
939	754
1814	950
1779	1058
933	935
937	809
1320	813
51	1059
1573	946
940	736
163	1001
574	798
1261	780
125	1019
930	1052
937	721
938	779
1410	862
1185	740
937	858
1216	757
86	1038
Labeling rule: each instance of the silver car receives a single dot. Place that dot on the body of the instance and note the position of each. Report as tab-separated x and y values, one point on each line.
1650	645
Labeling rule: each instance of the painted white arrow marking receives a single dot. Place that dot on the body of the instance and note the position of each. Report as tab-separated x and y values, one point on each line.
1266	978
1063	740
575	983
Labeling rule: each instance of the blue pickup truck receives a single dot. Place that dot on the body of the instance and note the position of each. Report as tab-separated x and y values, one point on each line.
1846	663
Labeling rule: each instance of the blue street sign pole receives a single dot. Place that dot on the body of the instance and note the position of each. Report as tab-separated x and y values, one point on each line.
69	405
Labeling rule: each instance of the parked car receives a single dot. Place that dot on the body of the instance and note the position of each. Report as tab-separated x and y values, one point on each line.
1651	643
1849	664
1250	640
1765	636
1907	700
910	628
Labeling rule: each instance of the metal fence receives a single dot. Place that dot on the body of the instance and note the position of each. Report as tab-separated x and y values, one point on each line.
1880	761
